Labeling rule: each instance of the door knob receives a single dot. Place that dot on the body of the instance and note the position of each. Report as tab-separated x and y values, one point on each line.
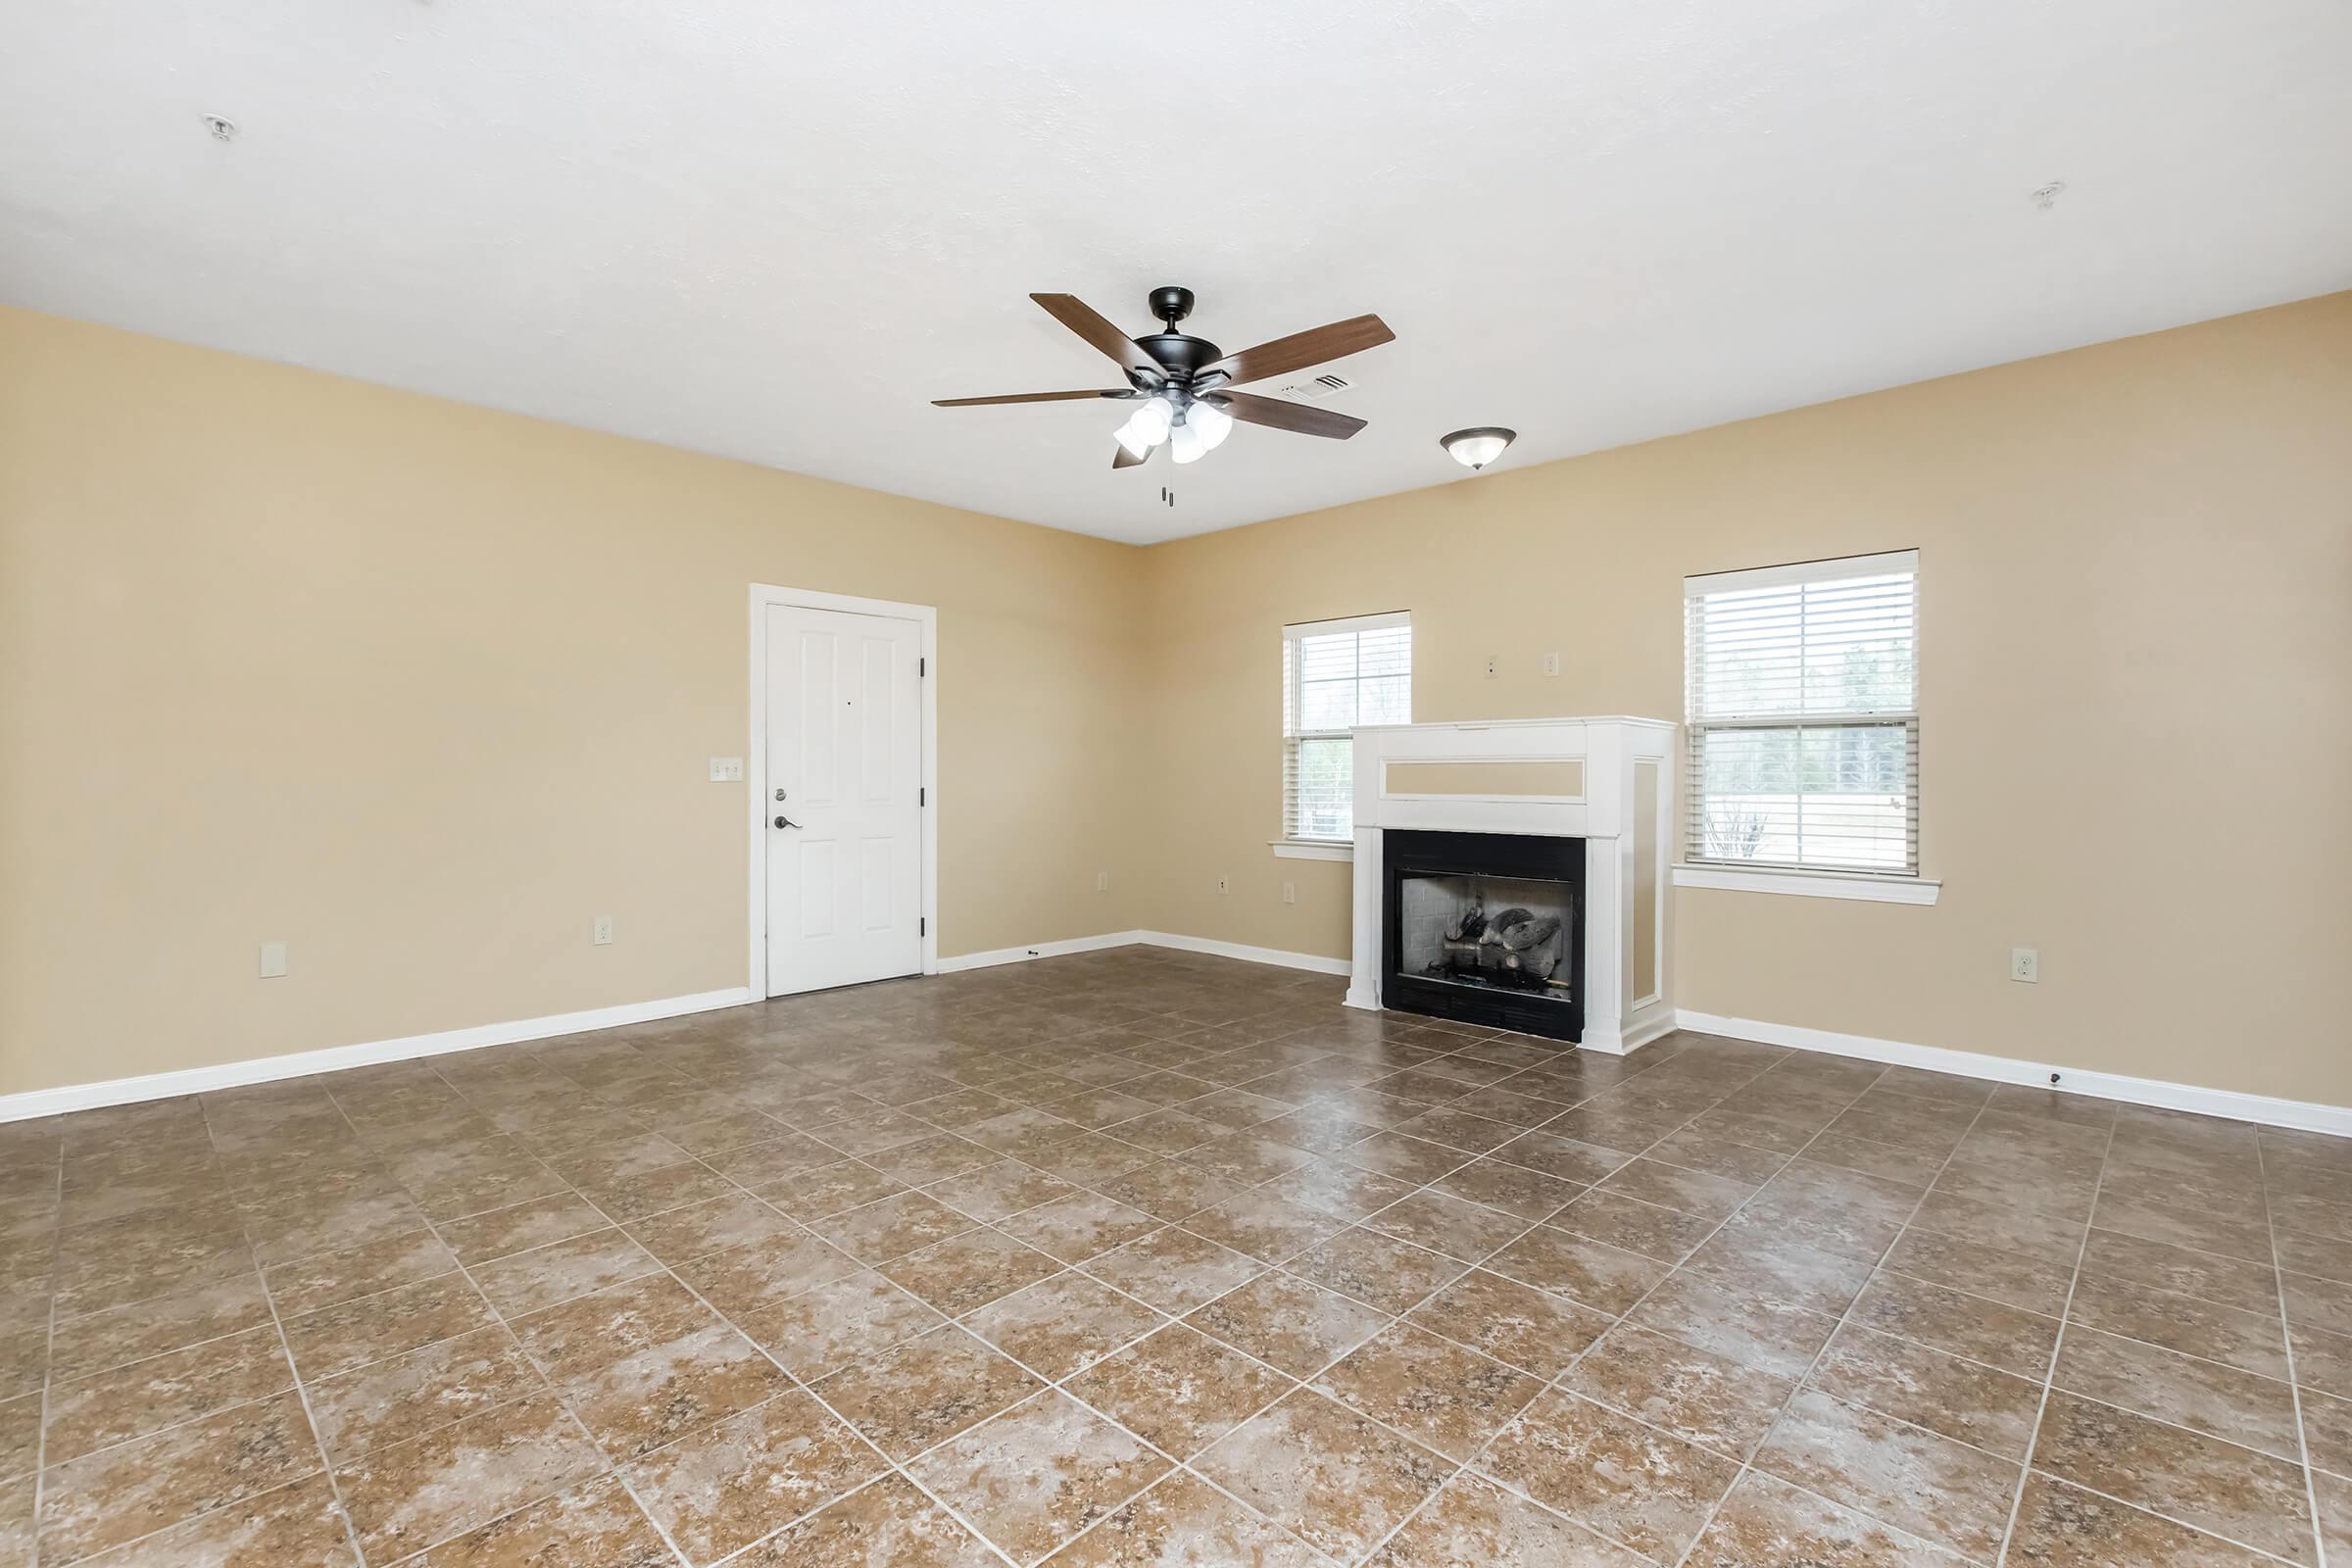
786	821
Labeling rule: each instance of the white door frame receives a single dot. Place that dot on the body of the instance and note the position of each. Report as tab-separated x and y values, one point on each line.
764	597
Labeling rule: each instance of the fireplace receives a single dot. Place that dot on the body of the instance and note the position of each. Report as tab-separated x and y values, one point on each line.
1487	928
1514	875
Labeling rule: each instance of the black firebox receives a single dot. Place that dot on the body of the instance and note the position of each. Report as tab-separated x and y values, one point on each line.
1486	928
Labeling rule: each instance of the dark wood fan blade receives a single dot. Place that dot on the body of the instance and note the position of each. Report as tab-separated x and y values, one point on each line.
1088	323
1023	397
1302	349
1288	415
1121	458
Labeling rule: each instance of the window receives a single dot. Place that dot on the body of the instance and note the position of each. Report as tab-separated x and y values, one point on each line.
1803	716
1336	675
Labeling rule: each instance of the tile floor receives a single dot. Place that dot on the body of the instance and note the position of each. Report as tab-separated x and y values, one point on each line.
1143	1258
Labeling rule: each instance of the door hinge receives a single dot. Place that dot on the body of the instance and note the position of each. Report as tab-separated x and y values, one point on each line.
922	667
922	926
922	797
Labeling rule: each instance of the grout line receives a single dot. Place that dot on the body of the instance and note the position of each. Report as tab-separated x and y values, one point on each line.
41	1445
2311	1486
285	1347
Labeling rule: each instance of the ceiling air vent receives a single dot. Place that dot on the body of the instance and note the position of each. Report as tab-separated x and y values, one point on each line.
1316	388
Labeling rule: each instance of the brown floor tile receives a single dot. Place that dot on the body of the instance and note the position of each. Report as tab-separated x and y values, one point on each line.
1515	1189
408	1395
738	1219
329	1279
1518	1324
410	1495
1616	1221
1179	1389
91	1343
888	1523
1387	1274
1607	1279
1324	1473
1472	1521
338	1339
2059	1525
1431	1390
1693	1191
478	1238
1078	1227
969	1271
1958	1323
2334	1494
525	1281
1063	1324
893	1227
595	1524
2013	1279
818	1194
1944	1492
20	1436
1172	1189
2222	1401
642	1193
294	1525
925	1391
1696	1395
1182	1520
1000	1191
2229	1281
2252	1341
848	1320
1036	1474
1967	1401
1340	1191
118	1495
2200	1480
743	1280
1288	1324
739	1480
131	1402
1453	1227
643	1363
1762	1333
1764	1521
1174	1270
1631	1482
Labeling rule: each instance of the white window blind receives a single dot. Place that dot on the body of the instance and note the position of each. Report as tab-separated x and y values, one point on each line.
1336	675
1802	715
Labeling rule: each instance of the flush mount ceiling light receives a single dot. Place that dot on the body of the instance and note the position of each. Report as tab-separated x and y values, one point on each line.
1477	446
1182	386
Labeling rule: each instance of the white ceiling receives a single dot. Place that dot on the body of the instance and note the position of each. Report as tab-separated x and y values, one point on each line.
776	229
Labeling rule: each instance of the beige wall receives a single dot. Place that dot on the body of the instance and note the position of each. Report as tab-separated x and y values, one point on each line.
422	689
2136	588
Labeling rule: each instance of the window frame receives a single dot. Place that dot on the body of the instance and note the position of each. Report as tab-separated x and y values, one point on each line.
1291	843
1831	879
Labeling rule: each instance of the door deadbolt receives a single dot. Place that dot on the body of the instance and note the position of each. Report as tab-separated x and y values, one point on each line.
779	795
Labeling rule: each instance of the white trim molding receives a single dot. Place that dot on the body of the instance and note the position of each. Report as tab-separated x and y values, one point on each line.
1809	884
1309	850
960	962
764	597
1277	957
2302	1114
334	1058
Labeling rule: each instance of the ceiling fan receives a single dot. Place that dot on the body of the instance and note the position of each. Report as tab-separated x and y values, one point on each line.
1182	386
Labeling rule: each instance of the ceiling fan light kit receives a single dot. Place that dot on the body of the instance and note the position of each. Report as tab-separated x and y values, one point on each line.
1477	446
1182	384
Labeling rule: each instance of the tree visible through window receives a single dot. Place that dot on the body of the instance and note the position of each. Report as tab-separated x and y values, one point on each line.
1336	675
1804	715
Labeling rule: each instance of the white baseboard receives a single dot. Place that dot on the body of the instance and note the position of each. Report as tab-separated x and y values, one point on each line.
301	1064
2306	1115
1042	950
1235	949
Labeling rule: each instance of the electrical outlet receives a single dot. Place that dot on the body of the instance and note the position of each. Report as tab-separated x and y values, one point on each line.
726	770
2025	965
1101	881
1289	893
1494	666
604	930
273	960
1220	884
1551	663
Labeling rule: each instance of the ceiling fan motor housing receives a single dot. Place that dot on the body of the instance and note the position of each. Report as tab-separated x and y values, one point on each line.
1180	354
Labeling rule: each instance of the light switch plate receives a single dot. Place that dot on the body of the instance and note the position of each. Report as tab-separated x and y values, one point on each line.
273	960
726	770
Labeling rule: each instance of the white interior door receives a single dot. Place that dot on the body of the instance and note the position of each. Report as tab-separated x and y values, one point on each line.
844	817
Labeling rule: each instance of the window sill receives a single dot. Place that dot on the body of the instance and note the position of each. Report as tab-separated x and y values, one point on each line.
1309	850
1810	884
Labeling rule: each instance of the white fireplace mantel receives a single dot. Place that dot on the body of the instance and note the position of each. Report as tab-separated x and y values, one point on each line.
1606	781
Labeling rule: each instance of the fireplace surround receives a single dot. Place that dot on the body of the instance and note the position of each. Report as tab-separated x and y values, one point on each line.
1515	874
